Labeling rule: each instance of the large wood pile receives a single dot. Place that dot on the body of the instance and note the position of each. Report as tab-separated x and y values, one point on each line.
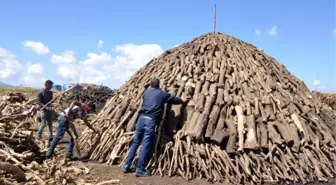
328	99
22	158
91	93
249	118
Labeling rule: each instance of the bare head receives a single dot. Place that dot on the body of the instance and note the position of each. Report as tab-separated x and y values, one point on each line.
48	84
155	83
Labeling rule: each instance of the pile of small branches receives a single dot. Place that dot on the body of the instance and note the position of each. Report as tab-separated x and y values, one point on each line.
327	98
22	158
249	119
91	93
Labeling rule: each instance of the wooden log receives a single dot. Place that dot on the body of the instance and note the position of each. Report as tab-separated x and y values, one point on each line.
220	97
198	131
205	88
193	122
251	136
200	103
233	133
240	127
174	120
220	132
274	136
209	102
122	110
300	127
288	133
212	122
131	124
17	173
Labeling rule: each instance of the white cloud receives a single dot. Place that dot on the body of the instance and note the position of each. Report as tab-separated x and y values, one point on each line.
108	69
334	32
36	68
94	59
317	86
316	82
100	44
36	46
68	71
273	31
131	58
67	57
33	75
9	66
257	32
80	73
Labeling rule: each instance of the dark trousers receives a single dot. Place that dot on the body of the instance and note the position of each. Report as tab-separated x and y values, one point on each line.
63	126
145	132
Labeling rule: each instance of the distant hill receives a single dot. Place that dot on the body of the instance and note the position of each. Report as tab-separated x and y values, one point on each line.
2	84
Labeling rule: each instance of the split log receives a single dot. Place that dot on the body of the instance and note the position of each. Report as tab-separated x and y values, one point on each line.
251	136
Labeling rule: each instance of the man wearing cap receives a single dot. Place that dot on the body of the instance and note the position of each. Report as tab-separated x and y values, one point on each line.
43	97
151	113
65	120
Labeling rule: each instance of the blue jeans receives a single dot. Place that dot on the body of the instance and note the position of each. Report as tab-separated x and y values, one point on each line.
145	131
46	116
62	128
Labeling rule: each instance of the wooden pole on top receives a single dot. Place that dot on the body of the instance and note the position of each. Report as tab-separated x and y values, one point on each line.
214	25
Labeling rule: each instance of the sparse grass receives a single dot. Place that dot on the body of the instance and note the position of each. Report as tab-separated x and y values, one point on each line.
29	91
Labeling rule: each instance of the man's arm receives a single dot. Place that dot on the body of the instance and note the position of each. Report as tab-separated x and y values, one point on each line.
75	103
174	99
86	122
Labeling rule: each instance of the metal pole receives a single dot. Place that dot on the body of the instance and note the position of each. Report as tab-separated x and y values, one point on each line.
214	25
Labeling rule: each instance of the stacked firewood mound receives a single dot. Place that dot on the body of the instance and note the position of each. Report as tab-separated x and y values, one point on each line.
328	99
14	97
249	119
91	93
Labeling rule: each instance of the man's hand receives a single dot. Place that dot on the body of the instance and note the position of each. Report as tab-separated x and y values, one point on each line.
46	108
185	98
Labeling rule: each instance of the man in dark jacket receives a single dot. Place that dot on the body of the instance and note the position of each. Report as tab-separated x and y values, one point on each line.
43	97
151	113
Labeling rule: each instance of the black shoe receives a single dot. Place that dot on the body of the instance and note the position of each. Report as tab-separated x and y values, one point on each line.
129	170
72	158
84	158
142	174
50	139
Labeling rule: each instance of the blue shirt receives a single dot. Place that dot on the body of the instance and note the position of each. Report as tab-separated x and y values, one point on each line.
153	103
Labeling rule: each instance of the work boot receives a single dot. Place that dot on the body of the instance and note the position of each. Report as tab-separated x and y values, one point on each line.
71	158
142	174
49	156
128	169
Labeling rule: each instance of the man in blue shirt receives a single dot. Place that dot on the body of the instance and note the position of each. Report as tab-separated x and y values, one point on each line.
151	113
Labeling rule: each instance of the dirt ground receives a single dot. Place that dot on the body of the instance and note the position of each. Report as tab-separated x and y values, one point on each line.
105	172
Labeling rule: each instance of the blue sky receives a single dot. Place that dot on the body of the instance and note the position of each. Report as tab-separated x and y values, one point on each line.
58	39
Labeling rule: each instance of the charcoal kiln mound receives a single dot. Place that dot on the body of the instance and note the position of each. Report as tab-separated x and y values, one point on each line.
249	119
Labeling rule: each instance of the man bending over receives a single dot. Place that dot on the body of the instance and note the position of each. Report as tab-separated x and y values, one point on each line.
65	120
